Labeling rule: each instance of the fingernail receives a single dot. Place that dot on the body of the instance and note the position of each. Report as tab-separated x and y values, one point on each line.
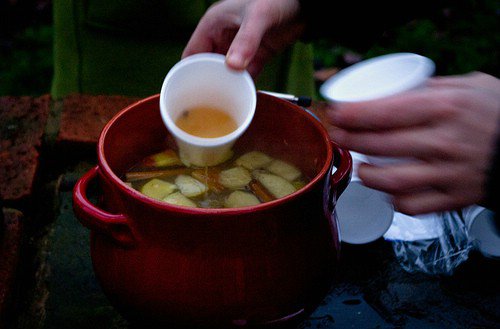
236	60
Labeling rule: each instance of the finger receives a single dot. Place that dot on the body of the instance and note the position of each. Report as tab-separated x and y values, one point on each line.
247	41
200	41
426	202
197	46
447	81
419	142
473	79
214	32
403	110
411	176
419	187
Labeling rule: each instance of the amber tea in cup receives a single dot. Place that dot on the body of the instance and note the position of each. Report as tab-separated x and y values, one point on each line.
206	122
206	107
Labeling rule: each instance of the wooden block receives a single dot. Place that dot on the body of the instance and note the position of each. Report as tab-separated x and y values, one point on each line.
84	116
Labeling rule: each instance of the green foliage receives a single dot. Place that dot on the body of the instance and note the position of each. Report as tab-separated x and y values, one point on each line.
464	38
26	68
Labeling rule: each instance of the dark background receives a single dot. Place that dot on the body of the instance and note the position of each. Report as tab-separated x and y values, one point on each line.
464	37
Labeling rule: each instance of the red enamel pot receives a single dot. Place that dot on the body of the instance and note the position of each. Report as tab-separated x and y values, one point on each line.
262	265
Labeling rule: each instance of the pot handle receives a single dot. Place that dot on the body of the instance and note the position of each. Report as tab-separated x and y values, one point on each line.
337	182
342	160
115	226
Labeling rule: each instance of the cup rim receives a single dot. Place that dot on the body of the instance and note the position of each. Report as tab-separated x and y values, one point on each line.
422	69
200	141
109	174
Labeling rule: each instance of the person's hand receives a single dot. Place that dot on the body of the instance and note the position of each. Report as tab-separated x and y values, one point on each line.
450	128
249	31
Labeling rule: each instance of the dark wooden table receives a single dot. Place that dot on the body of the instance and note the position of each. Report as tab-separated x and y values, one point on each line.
46	277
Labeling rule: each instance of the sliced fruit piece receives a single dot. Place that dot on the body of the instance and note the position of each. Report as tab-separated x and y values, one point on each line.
167	158
235	178
190	186
241	199
298	184
179	199
158	189
276	185
254	160
284	169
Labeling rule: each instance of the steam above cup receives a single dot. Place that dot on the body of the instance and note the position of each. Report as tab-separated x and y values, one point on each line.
203	80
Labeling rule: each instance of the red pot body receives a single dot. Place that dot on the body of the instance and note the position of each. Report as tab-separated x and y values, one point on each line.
266	264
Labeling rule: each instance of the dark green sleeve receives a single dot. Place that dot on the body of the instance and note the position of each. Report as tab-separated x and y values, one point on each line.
359	24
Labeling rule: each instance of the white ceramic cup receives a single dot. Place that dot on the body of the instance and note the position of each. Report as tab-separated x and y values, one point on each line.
484	232
203	80
363	214
376	78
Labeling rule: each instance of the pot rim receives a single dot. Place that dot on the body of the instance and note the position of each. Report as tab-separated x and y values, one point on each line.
131	192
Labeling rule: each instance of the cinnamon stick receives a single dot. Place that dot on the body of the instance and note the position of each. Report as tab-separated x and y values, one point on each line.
141	175
260	191
210	177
